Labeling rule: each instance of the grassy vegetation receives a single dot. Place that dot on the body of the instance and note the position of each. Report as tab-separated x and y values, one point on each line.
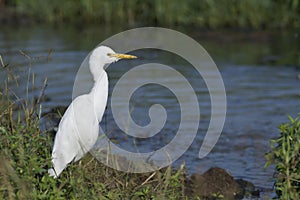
25	158
285	154
255	14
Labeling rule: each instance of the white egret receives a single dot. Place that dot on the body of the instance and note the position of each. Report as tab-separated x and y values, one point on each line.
78	129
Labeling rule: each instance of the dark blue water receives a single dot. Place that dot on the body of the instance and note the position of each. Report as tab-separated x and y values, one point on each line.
260	95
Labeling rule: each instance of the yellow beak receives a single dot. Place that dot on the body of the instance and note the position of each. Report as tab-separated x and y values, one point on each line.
121	56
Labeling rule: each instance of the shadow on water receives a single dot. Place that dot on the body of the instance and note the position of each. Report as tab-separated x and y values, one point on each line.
260	94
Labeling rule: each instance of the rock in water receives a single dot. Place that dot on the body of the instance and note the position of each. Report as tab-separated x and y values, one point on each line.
216	183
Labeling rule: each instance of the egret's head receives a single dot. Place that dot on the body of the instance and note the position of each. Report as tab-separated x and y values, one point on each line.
106	55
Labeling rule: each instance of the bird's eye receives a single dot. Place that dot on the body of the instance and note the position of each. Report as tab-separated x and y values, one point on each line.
109	54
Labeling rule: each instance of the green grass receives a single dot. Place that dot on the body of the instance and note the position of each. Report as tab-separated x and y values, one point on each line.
25	158
254	14
285	155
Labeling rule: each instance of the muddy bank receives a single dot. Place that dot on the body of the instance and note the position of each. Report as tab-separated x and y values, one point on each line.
216	183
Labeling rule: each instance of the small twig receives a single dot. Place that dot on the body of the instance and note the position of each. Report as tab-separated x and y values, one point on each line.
37	57
89	162
146	181
24	54
3	66
42	92
6	109
49	54
118	181
2	63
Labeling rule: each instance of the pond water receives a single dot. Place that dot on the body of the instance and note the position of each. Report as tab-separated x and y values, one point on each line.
259	94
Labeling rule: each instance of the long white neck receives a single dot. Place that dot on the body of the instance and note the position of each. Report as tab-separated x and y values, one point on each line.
99	91
96	68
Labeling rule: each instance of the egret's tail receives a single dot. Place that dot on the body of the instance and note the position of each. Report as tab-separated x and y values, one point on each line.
52	173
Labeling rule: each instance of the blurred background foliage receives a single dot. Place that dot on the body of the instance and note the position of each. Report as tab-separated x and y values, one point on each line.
255	14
